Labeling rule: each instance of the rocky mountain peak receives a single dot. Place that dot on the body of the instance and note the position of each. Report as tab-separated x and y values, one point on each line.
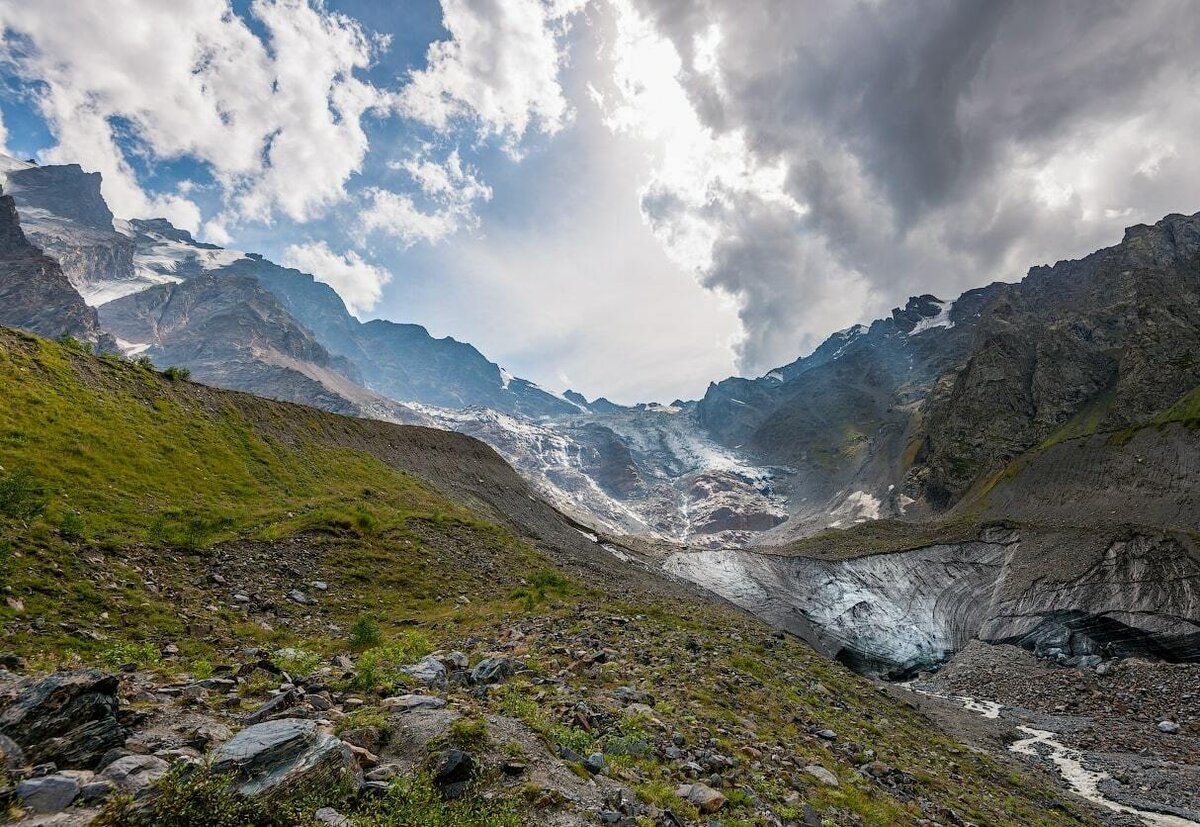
64	190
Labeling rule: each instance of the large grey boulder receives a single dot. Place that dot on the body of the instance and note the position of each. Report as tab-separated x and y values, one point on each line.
429	671
492	670
68	718
284	759
48	794
134	773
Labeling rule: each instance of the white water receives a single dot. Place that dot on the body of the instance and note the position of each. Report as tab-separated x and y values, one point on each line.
1083	782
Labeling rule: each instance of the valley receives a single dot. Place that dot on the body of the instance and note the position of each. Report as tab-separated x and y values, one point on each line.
231	503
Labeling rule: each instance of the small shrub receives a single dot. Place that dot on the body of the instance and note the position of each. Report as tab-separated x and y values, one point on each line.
71	343
122	652
201	668
365	523
416	802
365	633
366	716
21	496
573	739
379	667
70	526
144	362
188	796
541	584
173	373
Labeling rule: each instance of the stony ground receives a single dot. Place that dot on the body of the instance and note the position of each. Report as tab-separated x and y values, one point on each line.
1137	720
601	711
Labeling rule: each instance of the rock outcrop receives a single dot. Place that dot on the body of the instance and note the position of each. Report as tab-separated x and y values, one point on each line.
231	333
283	759
35	294
68	718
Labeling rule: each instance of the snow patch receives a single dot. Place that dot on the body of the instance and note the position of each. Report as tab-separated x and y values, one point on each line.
505	378
858	506
132	348
942	319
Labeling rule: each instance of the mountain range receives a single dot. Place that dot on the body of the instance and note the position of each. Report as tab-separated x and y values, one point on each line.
968	418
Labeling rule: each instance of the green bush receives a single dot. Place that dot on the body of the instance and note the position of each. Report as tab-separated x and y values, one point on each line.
365	633
70	526
468	733
21	496
189	797
187	529
71	343
296	662
125	651
175	372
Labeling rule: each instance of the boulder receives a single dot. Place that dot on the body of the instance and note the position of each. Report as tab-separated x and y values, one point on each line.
330	816
452	772
134	773
406	703
703	797
821	774
429	671
48	794
492	670
68	718
283	759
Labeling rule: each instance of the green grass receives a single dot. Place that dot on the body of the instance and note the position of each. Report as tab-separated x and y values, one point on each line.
125	449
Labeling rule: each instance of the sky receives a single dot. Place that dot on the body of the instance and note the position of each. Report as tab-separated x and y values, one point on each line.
630	198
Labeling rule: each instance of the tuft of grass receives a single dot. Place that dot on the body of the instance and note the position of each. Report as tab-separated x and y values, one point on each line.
142	654
22	497
468	733
416	803
379	667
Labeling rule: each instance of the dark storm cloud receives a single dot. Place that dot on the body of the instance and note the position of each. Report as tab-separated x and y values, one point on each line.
938	145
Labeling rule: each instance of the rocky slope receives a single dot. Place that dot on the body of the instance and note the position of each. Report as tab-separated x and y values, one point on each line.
372	624
231	333
401	361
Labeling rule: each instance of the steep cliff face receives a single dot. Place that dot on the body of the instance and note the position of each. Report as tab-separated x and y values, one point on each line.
65	215
401	361
35	294
232	333
1099	344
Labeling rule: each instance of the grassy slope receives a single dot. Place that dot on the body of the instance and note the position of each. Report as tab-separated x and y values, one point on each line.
149	490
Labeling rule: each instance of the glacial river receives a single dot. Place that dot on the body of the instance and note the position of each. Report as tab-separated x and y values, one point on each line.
1083	782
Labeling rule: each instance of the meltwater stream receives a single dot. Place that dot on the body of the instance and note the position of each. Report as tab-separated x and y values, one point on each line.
1083	782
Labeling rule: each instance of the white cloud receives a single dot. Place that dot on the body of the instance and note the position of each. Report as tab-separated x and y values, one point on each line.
356	281
495	77
278	121
928	146
709	196
450	190
498	71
